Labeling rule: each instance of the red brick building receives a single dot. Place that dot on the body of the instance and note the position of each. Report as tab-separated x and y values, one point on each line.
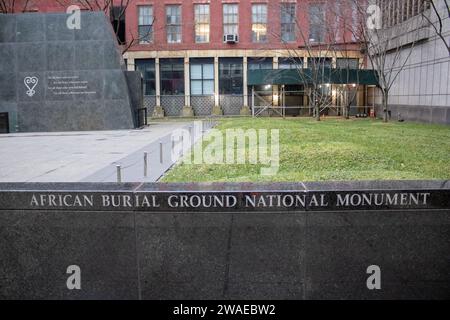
224	56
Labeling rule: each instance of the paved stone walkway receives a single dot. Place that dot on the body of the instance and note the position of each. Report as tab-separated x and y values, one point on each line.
88	156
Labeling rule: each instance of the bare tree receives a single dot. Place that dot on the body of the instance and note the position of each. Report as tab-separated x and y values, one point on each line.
343	15
96	5
14	6
322	44
390	38
347	74
437	19
316	54
116	10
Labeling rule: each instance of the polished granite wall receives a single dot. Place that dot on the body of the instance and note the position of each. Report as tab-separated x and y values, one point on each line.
129	252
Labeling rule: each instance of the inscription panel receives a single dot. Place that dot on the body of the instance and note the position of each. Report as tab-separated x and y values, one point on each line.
158	241
228	201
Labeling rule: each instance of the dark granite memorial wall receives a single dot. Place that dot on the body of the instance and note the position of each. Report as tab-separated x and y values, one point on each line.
53	78
260	241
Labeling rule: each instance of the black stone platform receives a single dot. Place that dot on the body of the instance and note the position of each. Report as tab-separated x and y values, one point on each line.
260	241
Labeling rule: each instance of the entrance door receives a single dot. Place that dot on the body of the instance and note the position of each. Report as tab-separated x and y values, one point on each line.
4	122
293	100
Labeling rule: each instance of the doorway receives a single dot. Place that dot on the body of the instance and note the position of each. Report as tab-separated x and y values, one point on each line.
4	122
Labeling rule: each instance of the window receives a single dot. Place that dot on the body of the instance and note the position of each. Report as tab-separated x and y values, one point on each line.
347	63
338	21
316	22
201	12
287	22
290	63
145	27
172	76
355	21
230	76
395	12
318	63
202	76
230	19
260	63
147	69
259	22
117	16
173	23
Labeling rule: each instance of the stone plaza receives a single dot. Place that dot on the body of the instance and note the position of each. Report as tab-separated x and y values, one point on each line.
88	156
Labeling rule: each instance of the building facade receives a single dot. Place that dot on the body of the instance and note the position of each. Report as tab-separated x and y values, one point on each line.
421	92
197	56
233	57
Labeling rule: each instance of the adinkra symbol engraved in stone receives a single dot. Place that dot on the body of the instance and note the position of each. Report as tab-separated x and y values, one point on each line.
30	83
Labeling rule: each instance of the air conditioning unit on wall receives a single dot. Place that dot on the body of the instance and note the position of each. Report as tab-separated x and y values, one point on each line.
230	38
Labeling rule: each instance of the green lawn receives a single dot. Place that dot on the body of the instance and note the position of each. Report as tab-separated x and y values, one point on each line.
335	149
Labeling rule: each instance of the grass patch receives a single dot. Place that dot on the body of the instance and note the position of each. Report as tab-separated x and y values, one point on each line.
335	149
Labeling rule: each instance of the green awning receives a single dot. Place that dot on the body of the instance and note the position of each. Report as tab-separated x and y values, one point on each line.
306	76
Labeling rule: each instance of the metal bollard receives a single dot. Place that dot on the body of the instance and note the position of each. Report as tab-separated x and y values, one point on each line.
182	145
145	163
119	173
161	152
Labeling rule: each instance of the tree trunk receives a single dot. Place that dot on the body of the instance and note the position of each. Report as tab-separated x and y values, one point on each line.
385	106
316	104
313	104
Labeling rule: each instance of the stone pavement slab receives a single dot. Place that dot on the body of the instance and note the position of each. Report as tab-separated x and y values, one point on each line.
87	156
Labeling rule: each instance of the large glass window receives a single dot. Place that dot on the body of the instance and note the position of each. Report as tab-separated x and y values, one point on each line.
230	76
260	63
316	22
201	12
230	19
202	76
145	27
287	22
147	69
172	76
259	22
290	63
173	23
